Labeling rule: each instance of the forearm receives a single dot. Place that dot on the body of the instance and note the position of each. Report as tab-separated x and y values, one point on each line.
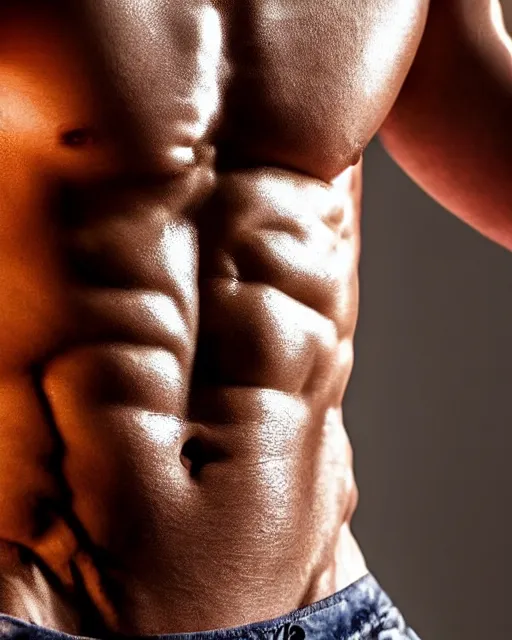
451	127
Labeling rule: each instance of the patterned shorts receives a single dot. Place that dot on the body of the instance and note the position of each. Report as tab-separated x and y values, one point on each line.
362	611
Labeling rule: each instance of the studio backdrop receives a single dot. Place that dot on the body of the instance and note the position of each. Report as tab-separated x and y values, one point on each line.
429	410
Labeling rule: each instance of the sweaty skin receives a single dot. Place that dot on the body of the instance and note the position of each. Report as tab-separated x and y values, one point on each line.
179	241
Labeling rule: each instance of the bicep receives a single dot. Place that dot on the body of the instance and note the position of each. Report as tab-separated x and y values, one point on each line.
451	126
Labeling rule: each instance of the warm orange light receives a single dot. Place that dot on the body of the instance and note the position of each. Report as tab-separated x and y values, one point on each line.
49	112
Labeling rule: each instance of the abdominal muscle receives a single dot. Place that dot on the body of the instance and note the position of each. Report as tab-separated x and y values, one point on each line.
179	308
174	453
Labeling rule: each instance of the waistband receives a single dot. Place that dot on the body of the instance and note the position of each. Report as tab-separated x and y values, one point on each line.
362	611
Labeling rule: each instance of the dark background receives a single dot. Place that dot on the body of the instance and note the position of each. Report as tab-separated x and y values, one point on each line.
429	410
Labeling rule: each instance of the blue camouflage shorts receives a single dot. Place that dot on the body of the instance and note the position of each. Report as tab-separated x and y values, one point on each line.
362	611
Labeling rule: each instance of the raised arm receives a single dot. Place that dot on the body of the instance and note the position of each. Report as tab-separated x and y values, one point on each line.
451	127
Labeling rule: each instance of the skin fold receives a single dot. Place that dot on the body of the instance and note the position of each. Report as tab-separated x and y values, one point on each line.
180	190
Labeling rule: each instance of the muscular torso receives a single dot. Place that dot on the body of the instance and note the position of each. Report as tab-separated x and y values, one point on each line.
179	240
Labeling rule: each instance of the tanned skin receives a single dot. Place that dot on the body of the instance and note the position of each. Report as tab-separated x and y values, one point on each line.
179	240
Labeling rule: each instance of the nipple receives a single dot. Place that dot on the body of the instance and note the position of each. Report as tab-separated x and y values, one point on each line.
77	137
